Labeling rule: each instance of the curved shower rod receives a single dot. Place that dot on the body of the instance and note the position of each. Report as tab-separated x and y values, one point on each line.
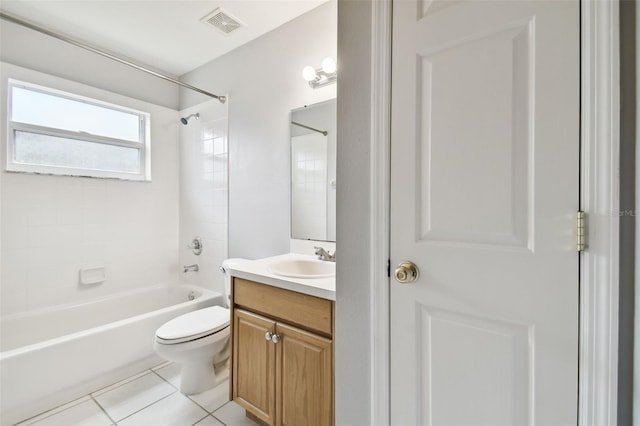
90	48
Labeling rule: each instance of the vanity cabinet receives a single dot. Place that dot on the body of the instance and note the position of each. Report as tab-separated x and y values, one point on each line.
282	355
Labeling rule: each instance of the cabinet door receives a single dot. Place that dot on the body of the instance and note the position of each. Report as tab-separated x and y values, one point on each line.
304	371
254	365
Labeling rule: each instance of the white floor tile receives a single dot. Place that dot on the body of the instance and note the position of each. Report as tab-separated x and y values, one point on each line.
120	383
174	410
82	412
232	414
164	364
209	421
170	372
125	399
214	398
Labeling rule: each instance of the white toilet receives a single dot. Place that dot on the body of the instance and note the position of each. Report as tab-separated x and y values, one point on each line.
199	342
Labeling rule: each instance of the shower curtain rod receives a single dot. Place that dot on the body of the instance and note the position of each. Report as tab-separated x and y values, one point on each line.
90	48
324	132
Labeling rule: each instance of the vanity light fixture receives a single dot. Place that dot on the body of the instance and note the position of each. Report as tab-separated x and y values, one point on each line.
320	77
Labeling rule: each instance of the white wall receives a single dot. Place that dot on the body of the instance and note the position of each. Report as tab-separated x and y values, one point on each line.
264	81
204	192
51	226
30	49
353	346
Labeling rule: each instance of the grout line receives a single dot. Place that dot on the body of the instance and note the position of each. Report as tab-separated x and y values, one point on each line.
147	406
101	391
204	408
157	374
218	409
160	366
120	383
90	397
53	411
191	399
198	421
209	413
219	419
196	402
113	422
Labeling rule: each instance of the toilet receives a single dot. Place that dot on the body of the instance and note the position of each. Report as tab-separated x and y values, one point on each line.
199	342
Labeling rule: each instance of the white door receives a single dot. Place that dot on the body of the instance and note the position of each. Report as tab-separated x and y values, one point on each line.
484	184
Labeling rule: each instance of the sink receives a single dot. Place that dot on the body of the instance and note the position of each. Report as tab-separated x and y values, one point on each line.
302	268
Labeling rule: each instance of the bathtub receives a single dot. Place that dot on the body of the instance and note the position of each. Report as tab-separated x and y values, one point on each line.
52	356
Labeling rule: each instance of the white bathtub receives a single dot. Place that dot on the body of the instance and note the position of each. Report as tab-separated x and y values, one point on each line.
49	357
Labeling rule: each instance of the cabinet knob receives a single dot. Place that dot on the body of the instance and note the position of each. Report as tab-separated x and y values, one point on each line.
268	335
275	338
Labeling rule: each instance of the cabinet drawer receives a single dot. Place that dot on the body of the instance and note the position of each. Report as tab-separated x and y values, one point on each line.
309	312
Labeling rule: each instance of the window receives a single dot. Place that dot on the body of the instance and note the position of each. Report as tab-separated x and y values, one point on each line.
64	134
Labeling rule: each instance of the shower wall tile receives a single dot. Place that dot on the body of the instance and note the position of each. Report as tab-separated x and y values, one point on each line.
52	226
204	193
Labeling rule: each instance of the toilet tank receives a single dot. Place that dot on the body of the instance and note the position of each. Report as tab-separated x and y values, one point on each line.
224	268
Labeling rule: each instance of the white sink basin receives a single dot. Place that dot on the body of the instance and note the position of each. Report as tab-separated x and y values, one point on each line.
302	268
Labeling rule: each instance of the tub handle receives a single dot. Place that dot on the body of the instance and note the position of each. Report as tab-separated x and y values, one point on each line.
196	246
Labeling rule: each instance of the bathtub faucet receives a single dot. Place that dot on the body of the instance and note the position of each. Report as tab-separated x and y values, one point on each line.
189	268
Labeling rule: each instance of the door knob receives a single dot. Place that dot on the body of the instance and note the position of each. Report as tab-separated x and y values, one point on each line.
268	335
275	338
406	272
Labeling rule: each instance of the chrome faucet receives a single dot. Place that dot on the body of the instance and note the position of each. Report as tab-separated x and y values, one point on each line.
188	268
325	255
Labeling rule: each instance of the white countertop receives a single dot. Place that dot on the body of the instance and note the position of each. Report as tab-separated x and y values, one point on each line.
257	270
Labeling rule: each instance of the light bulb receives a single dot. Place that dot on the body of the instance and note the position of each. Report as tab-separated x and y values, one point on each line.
308	73
329	65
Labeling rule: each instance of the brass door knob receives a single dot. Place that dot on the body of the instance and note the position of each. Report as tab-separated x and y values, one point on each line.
406	272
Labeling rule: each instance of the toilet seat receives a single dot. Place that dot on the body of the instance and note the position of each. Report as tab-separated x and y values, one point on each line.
193	325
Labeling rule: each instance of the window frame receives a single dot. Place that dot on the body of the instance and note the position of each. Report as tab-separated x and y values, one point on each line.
143	145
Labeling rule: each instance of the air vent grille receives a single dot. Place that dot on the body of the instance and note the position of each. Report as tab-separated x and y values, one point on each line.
222	21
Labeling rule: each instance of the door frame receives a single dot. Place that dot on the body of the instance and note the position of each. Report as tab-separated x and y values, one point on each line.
599	186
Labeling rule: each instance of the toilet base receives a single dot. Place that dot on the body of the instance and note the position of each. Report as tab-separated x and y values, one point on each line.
197	376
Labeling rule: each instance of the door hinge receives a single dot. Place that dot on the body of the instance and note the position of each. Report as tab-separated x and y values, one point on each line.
581	235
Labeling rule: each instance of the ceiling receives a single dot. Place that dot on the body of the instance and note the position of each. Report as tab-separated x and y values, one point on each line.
165	34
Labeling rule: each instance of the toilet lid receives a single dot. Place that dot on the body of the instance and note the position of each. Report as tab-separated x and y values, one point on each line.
194	325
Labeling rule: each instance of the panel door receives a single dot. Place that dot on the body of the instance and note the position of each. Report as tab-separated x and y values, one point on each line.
304	374
254	362
484	190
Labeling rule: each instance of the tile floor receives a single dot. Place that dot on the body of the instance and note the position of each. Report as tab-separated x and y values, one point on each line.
150	398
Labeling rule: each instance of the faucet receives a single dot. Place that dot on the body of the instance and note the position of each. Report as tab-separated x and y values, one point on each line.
325	255
188	268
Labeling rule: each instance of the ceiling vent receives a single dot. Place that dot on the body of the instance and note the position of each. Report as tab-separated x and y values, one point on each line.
222	21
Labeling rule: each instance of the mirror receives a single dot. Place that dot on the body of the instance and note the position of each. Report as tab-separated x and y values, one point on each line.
313	172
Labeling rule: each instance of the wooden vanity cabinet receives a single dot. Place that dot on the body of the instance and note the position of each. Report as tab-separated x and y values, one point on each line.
254	361
287	380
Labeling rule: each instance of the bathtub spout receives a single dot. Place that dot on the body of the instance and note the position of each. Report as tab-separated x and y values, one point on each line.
188	268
